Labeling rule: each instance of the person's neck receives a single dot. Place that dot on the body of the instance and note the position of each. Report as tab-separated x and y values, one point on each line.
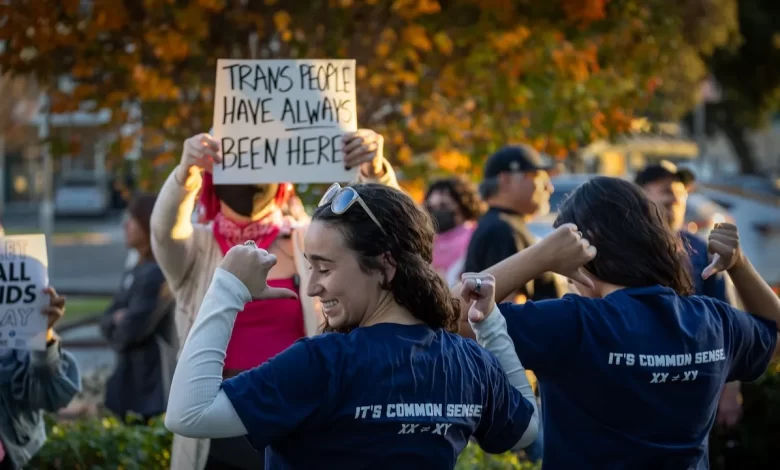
388	311
242	219
497	203
608	288
144	252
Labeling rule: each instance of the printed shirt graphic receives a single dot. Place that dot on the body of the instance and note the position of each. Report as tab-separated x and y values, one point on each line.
385	396
633	380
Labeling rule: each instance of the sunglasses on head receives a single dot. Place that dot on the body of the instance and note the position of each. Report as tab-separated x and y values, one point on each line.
341	199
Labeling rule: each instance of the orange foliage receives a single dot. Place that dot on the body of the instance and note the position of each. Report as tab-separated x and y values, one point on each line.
450	80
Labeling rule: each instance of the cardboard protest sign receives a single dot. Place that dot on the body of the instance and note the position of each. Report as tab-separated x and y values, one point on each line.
23	276
283	120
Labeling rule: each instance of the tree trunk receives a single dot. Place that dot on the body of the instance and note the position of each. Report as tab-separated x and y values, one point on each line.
739	143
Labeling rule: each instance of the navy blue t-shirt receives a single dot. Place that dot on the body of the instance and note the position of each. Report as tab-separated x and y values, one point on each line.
384	396
633	380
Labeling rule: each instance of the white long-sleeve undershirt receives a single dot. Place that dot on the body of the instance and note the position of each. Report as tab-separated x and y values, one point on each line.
492	335
197	406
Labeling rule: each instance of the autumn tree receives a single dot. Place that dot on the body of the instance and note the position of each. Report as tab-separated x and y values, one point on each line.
748	72
446	81
18	103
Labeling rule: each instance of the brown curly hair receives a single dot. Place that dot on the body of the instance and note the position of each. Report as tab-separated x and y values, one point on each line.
463	192
409	243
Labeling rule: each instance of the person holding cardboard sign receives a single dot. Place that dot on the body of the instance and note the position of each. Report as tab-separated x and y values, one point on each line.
189	253
32	382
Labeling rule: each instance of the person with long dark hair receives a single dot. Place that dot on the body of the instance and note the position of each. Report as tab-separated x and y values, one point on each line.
390	385
630	370
139	326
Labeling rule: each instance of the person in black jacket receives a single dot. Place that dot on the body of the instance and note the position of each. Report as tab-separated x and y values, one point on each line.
139	326
516	187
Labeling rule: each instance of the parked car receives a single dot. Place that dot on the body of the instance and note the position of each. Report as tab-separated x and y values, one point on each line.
82	194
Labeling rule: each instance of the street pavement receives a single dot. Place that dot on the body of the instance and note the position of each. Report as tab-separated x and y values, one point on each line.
86	254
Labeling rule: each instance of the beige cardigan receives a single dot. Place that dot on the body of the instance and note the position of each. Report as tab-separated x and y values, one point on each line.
188	254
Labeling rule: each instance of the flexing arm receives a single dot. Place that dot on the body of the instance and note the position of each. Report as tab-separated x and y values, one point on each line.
263	403
198	407
511	274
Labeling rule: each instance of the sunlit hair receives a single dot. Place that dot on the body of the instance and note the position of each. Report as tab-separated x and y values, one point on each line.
409	243
636	247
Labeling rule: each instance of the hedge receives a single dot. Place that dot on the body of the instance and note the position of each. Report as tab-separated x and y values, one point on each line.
105	443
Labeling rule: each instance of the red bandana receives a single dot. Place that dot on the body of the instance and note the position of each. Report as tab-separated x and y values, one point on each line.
263	232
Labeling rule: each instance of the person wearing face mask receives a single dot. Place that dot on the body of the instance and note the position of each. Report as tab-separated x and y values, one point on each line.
455	207
189	253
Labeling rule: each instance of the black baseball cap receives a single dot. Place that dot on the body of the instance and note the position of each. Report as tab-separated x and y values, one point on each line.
515	159
664	169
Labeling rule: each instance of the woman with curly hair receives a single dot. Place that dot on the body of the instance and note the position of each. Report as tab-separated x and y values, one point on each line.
455	207
391	384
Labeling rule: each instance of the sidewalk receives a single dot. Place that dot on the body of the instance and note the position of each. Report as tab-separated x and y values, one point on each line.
70	231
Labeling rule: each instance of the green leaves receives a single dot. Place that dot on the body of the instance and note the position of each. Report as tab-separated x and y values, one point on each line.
104	444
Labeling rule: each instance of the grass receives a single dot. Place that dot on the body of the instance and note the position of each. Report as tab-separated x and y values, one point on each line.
78	308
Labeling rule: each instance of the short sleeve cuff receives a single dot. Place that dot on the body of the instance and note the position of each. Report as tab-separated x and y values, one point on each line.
240	404
771	341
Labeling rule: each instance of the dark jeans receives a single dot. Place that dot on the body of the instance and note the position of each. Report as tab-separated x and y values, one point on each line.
234	453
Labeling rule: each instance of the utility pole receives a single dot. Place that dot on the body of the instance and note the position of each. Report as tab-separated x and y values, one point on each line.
46	208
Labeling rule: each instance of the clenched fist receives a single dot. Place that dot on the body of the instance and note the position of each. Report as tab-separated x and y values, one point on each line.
566	251
251	265
480	291
723	243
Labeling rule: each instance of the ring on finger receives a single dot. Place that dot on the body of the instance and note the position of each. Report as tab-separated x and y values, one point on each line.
478	286
250	243
579	233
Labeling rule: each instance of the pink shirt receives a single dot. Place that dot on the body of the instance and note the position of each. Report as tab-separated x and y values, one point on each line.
265	330
450	247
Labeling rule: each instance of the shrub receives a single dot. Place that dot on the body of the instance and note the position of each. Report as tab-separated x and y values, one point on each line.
105	443
753	443
472	458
